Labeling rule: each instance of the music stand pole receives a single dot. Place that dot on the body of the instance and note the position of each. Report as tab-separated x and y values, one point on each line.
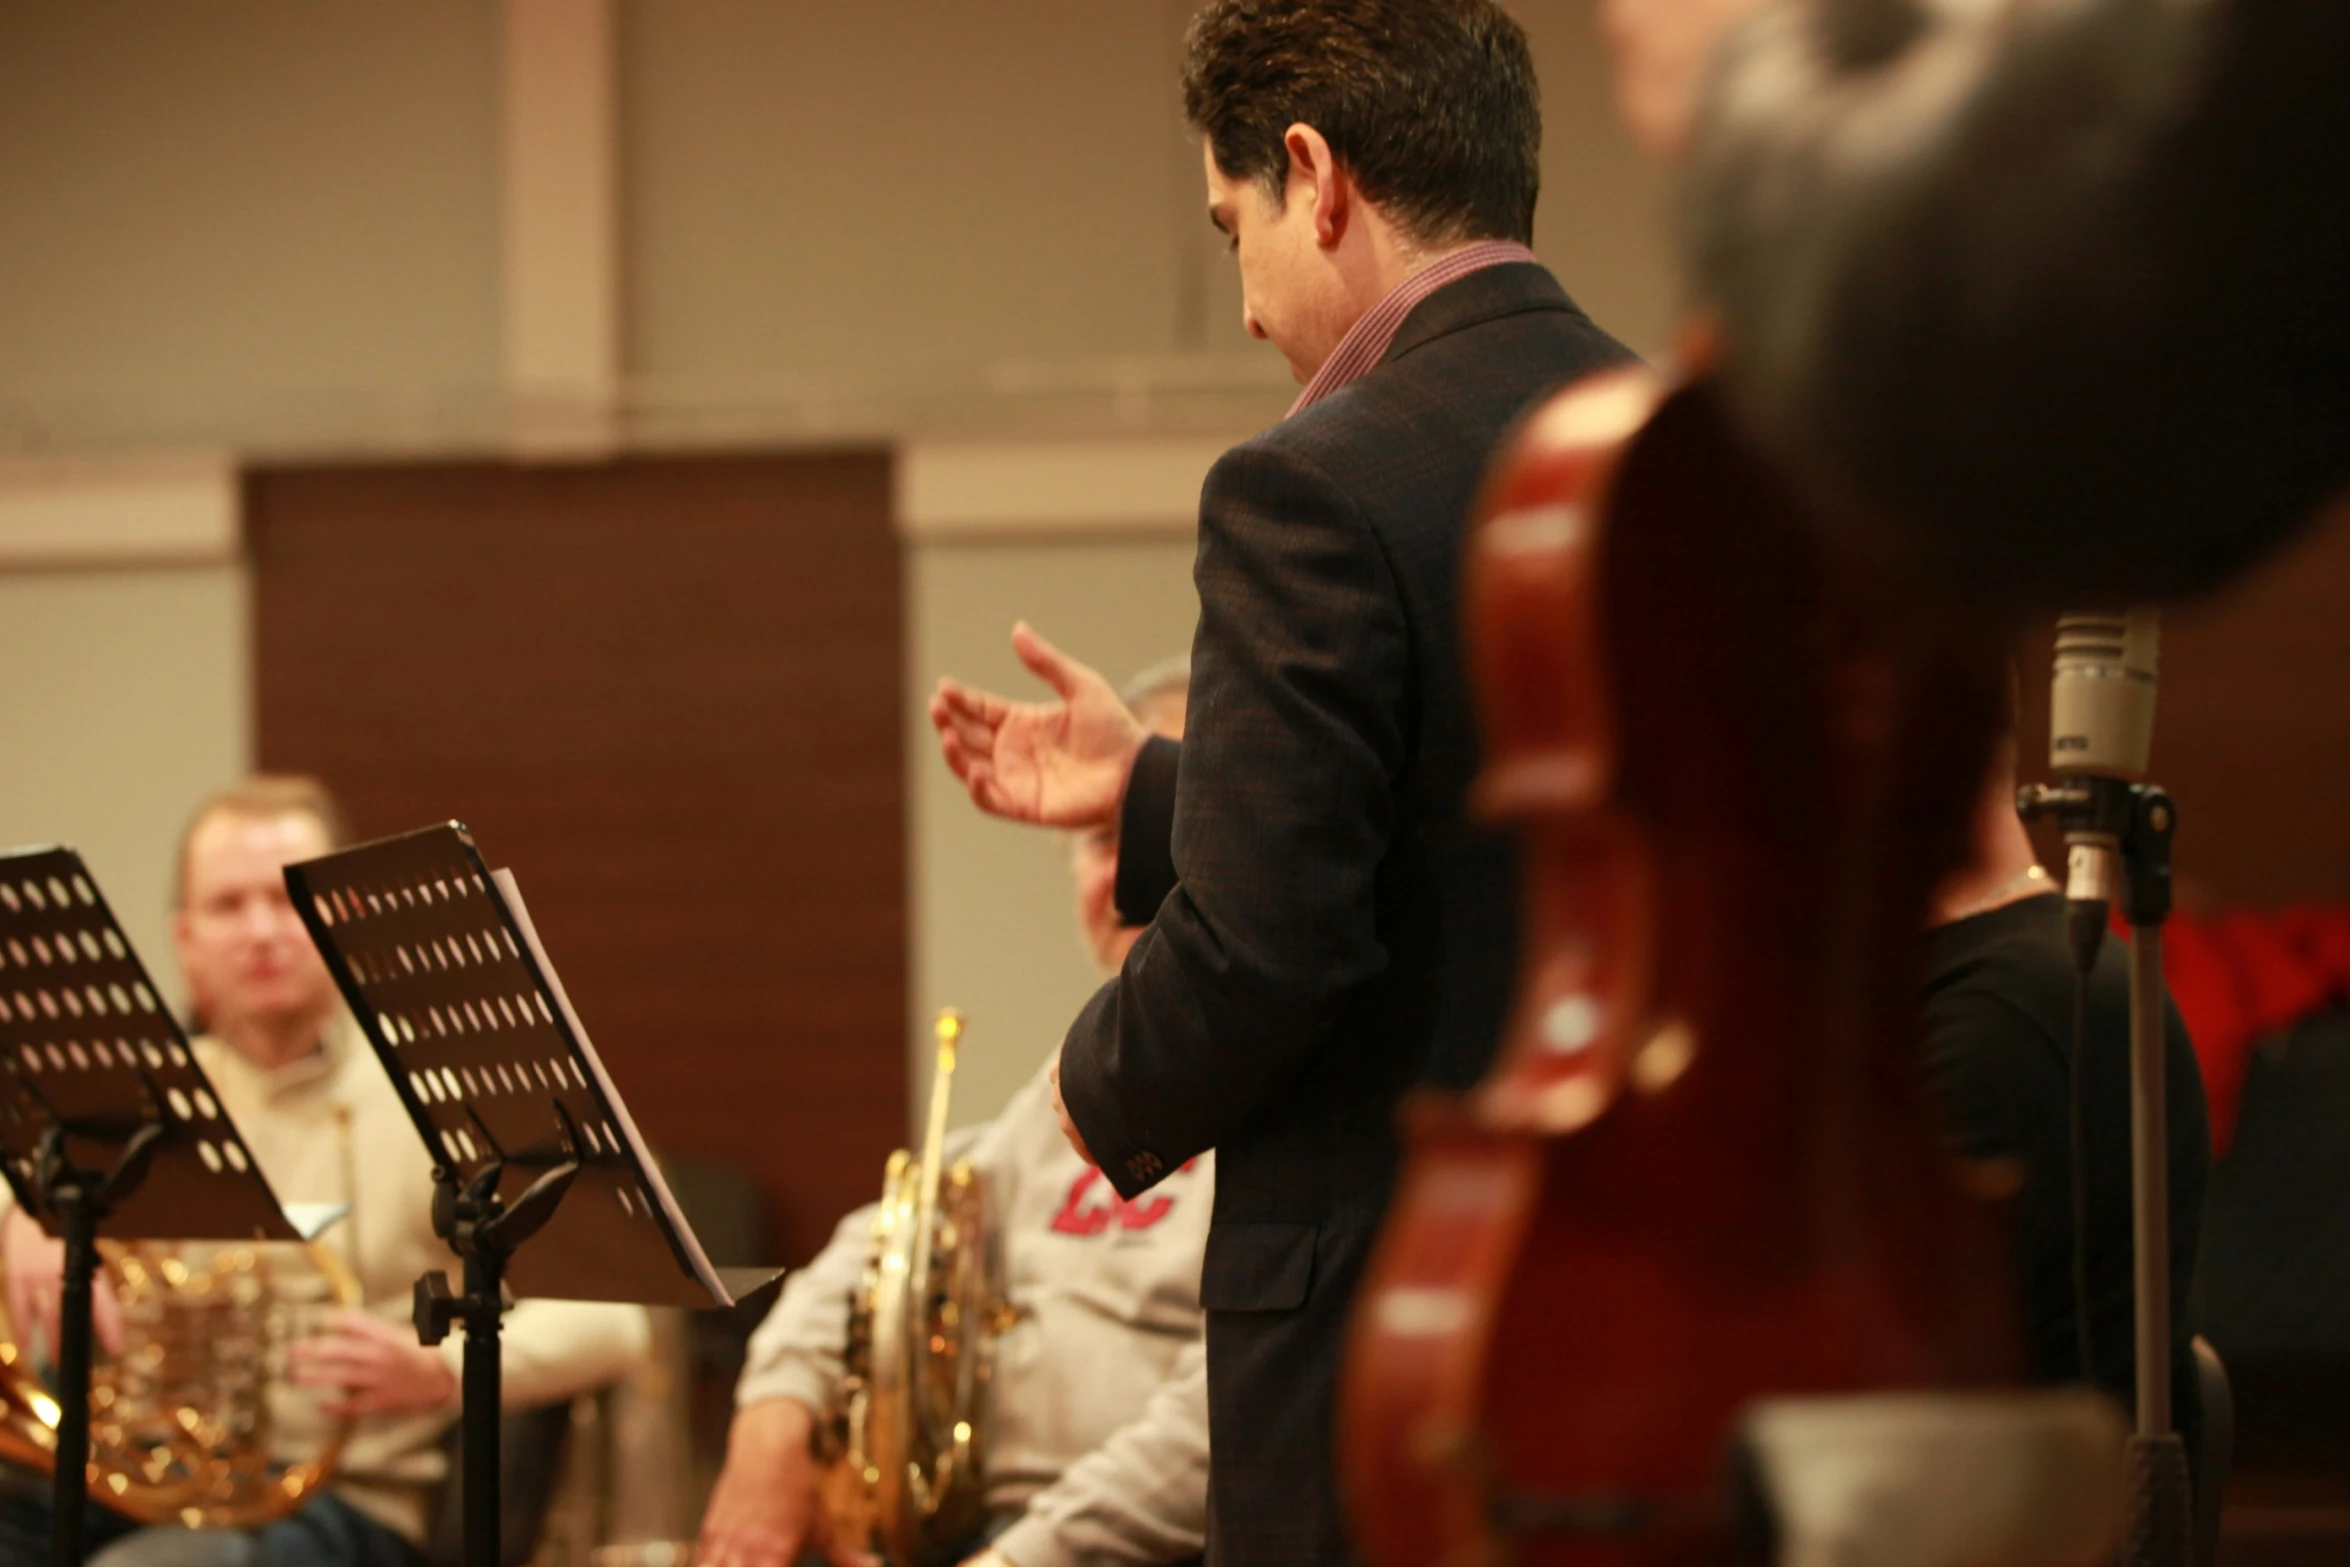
70	1490
77	1200
482	1387
483	1229
484	1396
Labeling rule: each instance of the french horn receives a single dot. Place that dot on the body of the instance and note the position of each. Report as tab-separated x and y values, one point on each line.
185	1423
907	1477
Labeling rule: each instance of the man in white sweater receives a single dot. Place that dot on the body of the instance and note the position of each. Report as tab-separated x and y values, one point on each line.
323	1122
1097	1442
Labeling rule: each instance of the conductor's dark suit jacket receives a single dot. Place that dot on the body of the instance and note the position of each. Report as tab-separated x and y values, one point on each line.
1336	932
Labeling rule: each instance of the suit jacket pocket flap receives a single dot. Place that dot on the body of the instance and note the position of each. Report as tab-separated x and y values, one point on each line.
1257	1267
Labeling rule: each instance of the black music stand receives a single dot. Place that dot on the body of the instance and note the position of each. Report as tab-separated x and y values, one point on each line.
529	1138
103	1093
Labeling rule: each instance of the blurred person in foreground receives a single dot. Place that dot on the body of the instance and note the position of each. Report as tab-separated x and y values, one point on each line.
1096	1436
2041	300
311	1102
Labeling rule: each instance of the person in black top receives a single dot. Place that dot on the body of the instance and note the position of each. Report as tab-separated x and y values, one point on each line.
1999	1046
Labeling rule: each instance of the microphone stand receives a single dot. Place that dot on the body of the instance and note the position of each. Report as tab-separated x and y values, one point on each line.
2162	1525
2111	820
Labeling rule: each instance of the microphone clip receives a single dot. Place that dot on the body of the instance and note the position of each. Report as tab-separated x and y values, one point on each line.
2117	838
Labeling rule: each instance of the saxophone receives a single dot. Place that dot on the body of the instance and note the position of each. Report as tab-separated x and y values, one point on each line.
906	1474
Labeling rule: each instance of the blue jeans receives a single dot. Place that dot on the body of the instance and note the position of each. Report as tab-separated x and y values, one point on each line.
325	1532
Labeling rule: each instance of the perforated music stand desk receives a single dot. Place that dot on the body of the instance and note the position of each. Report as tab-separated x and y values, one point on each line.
438	960
108	1126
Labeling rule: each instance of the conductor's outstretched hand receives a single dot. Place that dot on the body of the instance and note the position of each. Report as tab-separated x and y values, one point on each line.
1061	763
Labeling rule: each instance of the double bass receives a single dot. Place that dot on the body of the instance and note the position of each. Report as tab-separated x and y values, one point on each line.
1701	1170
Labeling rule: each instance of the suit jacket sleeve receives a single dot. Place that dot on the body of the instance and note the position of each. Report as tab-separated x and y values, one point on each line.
1146	832
1299	701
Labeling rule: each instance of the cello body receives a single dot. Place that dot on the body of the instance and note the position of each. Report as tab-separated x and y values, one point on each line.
1701	1169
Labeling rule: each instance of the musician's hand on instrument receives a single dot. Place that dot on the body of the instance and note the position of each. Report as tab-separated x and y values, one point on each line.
1055	764
35	1266
1061	1109
378	1365
764	1509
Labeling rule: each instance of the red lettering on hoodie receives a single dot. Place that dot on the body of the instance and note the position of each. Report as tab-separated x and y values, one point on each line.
1085	1213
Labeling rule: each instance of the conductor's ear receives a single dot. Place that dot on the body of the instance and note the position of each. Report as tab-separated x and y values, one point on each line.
1316	177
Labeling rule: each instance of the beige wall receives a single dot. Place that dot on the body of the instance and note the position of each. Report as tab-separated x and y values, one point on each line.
1603	220
249	223
270	225
123	694
884	193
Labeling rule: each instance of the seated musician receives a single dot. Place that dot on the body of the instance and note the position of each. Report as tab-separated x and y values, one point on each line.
314	1106
1097	1443
1999	1047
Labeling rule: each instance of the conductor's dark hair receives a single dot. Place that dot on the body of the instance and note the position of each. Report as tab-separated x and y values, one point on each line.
1430	104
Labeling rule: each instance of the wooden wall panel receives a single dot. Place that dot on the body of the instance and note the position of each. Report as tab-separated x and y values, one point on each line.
666	692
2252	730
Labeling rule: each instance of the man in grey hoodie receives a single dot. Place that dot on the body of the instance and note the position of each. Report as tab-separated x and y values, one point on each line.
1097	1442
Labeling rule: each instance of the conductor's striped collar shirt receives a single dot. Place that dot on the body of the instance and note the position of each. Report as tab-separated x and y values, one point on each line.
1365	343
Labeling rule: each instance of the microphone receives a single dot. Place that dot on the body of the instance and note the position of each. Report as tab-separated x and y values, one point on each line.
2101	717
2100	736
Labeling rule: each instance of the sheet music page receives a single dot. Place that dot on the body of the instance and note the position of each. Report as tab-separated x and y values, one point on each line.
313	1219
703	1272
